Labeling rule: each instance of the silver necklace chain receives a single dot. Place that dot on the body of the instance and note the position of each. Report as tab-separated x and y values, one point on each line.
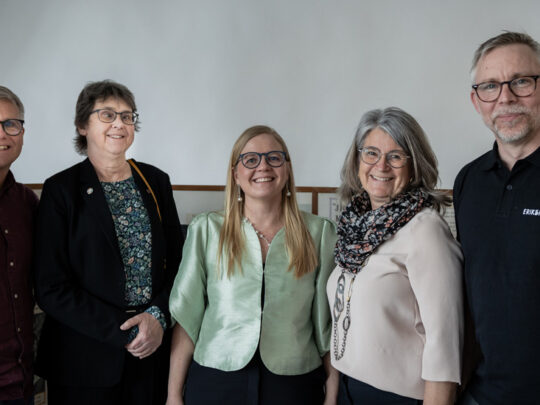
259	234
339	302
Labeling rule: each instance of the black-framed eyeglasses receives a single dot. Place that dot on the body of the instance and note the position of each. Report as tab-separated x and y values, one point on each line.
395	158
252	160
106	115
12	126
522	86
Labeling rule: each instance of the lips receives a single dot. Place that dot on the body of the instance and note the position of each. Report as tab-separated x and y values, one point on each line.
509	114
384	179
263	179
4	147
115	136
507	117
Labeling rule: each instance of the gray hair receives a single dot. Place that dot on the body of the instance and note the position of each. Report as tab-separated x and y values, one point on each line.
7	94
410	136
504	39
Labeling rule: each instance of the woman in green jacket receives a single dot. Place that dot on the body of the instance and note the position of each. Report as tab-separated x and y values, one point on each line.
253	324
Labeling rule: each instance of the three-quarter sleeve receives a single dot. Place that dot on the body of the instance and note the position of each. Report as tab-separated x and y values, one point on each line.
434	266
320	311
187	301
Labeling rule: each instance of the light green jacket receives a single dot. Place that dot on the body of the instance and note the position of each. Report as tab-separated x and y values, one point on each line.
223	316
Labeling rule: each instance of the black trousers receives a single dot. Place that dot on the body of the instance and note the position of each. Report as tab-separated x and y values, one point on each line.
354	392
252	385
144	382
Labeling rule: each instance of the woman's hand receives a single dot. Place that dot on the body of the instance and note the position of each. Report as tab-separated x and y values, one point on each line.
176	400
149	337
332	382
439	393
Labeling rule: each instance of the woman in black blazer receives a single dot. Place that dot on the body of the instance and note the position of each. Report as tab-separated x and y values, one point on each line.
108	245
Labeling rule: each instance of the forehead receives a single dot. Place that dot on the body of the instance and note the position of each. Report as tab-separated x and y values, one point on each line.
262	143
381	140
507	62
8	110
113	103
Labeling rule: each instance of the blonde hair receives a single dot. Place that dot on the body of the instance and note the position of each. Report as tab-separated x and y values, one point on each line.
300	246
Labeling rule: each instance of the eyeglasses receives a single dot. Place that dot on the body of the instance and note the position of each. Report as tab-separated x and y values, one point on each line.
252	160
108	116
12	127
372	155
523	86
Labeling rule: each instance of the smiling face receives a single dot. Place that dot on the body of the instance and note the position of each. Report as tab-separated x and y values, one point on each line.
264	182
381	181
10	146
108	140
512	119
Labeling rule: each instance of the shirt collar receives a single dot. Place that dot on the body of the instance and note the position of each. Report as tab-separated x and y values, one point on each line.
534	157
493	160
8	182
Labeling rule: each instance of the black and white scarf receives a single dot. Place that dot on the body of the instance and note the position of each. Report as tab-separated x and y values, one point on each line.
361	230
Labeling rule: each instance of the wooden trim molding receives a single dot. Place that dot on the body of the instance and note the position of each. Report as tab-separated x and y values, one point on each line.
315	191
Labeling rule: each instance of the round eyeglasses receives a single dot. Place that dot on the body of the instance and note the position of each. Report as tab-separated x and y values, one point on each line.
523	86
12	127
252	160
108	116
395	158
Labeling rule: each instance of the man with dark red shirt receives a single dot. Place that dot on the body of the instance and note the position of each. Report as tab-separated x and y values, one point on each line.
17	208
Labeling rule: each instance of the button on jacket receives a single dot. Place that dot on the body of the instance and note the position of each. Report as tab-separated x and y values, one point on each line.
223	316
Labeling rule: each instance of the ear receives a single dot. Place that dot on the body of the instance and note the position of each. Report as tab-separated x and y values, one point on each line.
475	101
82	131
235	175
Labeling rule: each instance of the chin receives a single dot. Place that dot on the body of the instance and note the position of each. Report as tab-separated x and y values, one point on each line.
511	138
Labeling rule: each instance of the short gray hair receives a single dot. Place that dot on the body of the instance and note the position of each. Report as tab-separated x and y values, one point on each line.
7	94
410	136
504	39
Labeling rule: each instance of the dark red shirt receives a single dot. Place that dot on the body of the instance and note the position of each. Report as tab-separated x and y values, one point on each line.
17	209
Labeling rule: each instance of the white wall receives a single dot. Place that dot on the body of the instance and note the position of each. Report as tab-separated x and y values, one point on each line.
204	70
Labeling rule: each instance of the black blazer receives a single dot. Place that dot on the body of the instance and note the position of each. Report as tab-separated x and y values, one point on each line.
79	274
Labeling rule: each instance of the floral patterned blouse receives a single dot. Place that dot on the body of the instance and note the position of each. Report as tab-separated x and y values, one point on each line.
133	230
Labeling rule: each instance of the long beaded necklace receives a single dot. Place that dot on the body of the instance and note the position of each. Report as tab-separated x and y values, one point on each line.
259	234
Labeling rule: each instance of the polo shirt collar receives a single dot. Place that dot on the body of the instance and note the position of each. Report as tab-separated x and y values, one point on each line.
493	159
534	157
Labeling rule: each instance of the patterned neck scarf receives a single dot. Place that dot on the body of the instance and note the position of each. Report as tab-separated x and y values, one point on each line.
361	230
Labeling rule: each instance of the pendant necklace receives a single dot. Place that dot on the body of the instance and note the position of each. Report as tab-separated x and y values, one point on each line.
259	234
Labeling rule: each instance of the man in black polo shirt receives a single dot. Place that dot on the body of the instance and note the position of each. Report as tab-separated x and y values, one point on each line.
497	205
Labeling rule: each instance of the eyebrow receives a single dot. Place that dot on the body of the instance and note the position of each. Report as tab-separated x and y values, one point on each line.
393	150
513	77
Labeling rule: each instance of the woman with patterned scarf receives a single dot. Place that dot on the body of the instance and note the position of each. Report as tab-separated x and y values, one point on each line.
395	295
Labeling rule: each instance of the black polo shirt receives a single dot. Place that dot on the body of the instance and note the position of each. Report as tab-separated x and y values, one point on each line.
498	221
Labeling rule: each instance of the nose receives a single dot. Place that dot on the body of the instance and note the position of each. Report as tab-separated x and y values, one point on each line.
264	164
382	164
118	121
506	95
